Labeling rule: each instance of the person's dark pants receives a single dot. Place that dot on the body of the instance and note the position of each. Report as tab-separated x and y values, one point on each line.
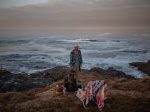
76	68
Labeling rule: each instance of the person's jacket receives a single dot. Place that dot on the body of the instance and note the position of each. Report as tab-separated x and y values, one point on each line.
73	58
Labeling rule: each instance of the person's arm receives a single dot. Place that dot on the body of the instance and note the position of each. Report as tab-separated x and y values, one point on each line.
71	59
80	56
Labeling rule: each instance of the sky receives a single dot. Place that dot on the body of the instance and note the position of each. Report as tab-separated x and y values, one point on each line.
74	14
15	3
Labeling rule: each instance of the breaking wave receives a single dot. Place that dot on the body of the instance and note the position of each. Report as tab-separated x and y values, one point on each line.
101	50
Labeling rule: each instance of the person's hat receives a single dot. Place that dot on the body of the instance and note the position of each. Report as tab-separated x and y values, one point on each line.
76	46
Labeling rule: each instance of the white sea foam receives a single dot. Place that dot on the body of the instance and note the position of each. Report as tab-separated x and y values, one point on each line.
98	50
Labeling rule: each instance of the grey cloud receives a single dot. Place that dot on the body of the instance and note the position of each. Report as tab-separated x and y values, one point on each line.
79	13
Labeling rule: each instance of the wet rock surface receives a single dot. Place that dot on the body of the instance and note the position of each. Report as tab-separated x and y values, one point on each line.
111	73
142	66
22	82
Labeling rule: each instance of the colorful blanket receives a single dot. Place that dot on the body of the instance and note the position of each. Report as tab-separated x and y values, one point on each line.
94	91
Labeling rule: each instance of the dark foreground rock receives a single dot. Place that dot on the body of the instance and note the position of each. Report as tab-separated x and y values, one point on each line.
142	66
23	82
111	73
19	82
124	96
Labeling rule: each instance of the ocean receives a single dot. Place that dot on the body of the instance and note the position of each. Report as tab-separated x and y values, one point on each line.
29	52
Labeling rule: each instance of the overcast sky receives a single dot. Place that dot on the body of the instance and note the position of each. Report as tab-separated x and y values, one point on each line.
74	14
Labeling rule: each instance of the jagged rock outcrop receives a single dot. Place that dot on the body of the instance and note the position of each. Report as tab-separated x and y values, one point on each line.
111	73
22	82
142	66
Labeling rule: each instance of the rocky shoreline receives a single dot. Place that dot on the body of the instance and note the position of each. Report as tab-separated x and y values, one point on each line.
142	66
23	82
35	92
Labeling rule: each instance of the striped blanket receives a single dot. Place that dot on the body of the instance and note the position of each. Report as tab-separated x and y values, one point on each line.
94	91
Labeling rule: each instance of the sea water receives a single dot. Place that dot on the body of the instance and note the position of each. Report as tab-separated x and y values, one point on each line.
23	51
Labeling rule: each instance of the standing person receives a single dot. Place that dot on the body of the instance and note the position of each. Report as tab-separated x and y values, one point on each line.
76	59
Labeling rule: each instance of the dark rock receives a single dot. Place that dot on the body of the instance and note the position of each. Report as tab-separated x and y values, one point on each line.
22	82
4	72
98	70
142	66
54	73
111	72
